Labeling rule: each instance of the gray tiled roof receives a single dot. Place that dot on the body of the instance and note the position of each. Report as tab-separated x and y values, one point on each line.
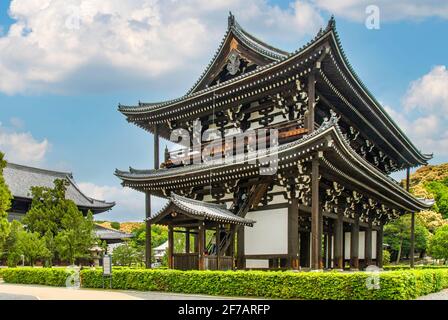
208	211
109	234
20	179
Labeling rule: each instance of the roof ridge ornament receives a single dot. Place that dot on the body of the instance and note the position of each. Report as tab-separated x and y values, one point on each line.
331	23
230	20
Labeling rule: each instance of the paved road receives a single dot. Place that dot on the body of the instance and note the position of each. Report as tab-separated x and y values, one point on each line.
8	296
33	292
442	295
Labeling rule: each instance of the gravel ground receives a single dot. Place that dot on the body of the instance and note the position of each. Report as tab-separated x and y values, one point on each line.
442	295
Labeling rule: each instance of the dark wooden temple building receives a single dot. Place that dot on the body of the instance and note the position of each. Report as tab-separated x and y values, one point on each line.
318	199
20	179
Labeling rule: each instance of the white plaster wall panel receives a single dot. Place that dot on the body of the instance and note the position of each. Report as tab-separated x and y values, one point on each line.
269	235
374	244
257	263
347	244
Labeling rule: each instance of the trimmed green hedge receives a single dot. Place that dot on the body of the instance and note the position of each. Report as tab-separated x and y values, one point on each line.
418	267
55	277
394	285
397	285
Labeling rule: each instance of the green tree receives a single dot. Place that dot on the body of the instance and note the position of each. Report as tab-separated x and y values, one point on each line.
159	234
397	235
5	205
126	255
48	208
32	246
50	243
438	244
440	191
12	251
77	237
115	225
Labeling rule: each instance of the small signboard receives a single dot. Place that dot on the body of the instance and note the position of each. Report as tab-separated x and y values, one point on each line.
107	265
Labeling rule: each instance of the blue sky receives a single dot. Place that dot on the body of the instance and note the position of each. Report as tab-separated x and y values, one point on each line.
60	85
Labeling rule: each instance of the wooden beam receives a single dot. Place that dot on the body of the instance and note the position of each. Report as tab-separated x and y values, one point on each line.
293	234
218	242
170	247
412	244
156	147
187	240
148	248
354	244
311	101
338	242
316	218
201	247
240	260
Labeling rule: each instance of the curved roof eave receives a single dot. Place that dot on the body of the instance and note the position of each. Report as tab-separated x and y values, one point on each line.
332	34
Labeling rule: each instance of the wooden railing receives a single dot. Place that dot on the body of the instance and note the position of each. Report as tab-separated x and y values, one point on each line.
190	261
286	134
186	261
221	263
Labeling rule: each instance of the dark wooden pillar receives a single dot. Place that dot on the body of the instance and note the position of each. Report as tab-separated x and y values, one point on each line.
148	249
316	218
338	242
305	249
196	241
368	245
156	148
218	242
311	101
187	240
240	260
354	244
201	246
293	234
379	246
170	247
412	240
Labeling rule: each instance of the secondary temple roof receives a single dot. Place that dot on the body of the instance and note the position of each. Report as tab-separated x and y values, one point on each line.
199	210
20	179
110	235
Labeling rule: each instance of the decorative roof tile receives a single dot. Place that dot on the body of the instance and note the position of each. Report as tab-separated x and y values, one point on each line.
204	210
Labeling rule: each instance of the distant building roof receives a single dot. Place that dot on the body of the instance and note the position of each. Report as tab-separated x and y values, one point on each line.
20	179
104	233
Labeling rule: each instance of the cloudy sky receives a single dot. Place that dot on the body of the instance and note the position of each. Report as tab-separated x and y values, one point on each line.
66	64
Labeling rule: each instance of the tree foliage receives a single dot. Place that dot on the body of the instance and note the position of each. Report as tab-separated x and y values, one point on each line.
127	255
397	235
438	245
440	191
60	224
48	208
5	204
76	237
32	246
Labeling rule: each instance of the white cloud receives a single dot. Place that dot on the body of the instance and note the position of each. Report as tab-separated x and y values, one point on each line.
22	147
424	117
389	10
63	45
429	92
130	204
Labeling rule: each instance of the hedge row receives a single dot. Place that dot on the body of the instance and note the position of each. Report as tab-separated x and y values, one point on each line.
55	277
419	267
393	285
